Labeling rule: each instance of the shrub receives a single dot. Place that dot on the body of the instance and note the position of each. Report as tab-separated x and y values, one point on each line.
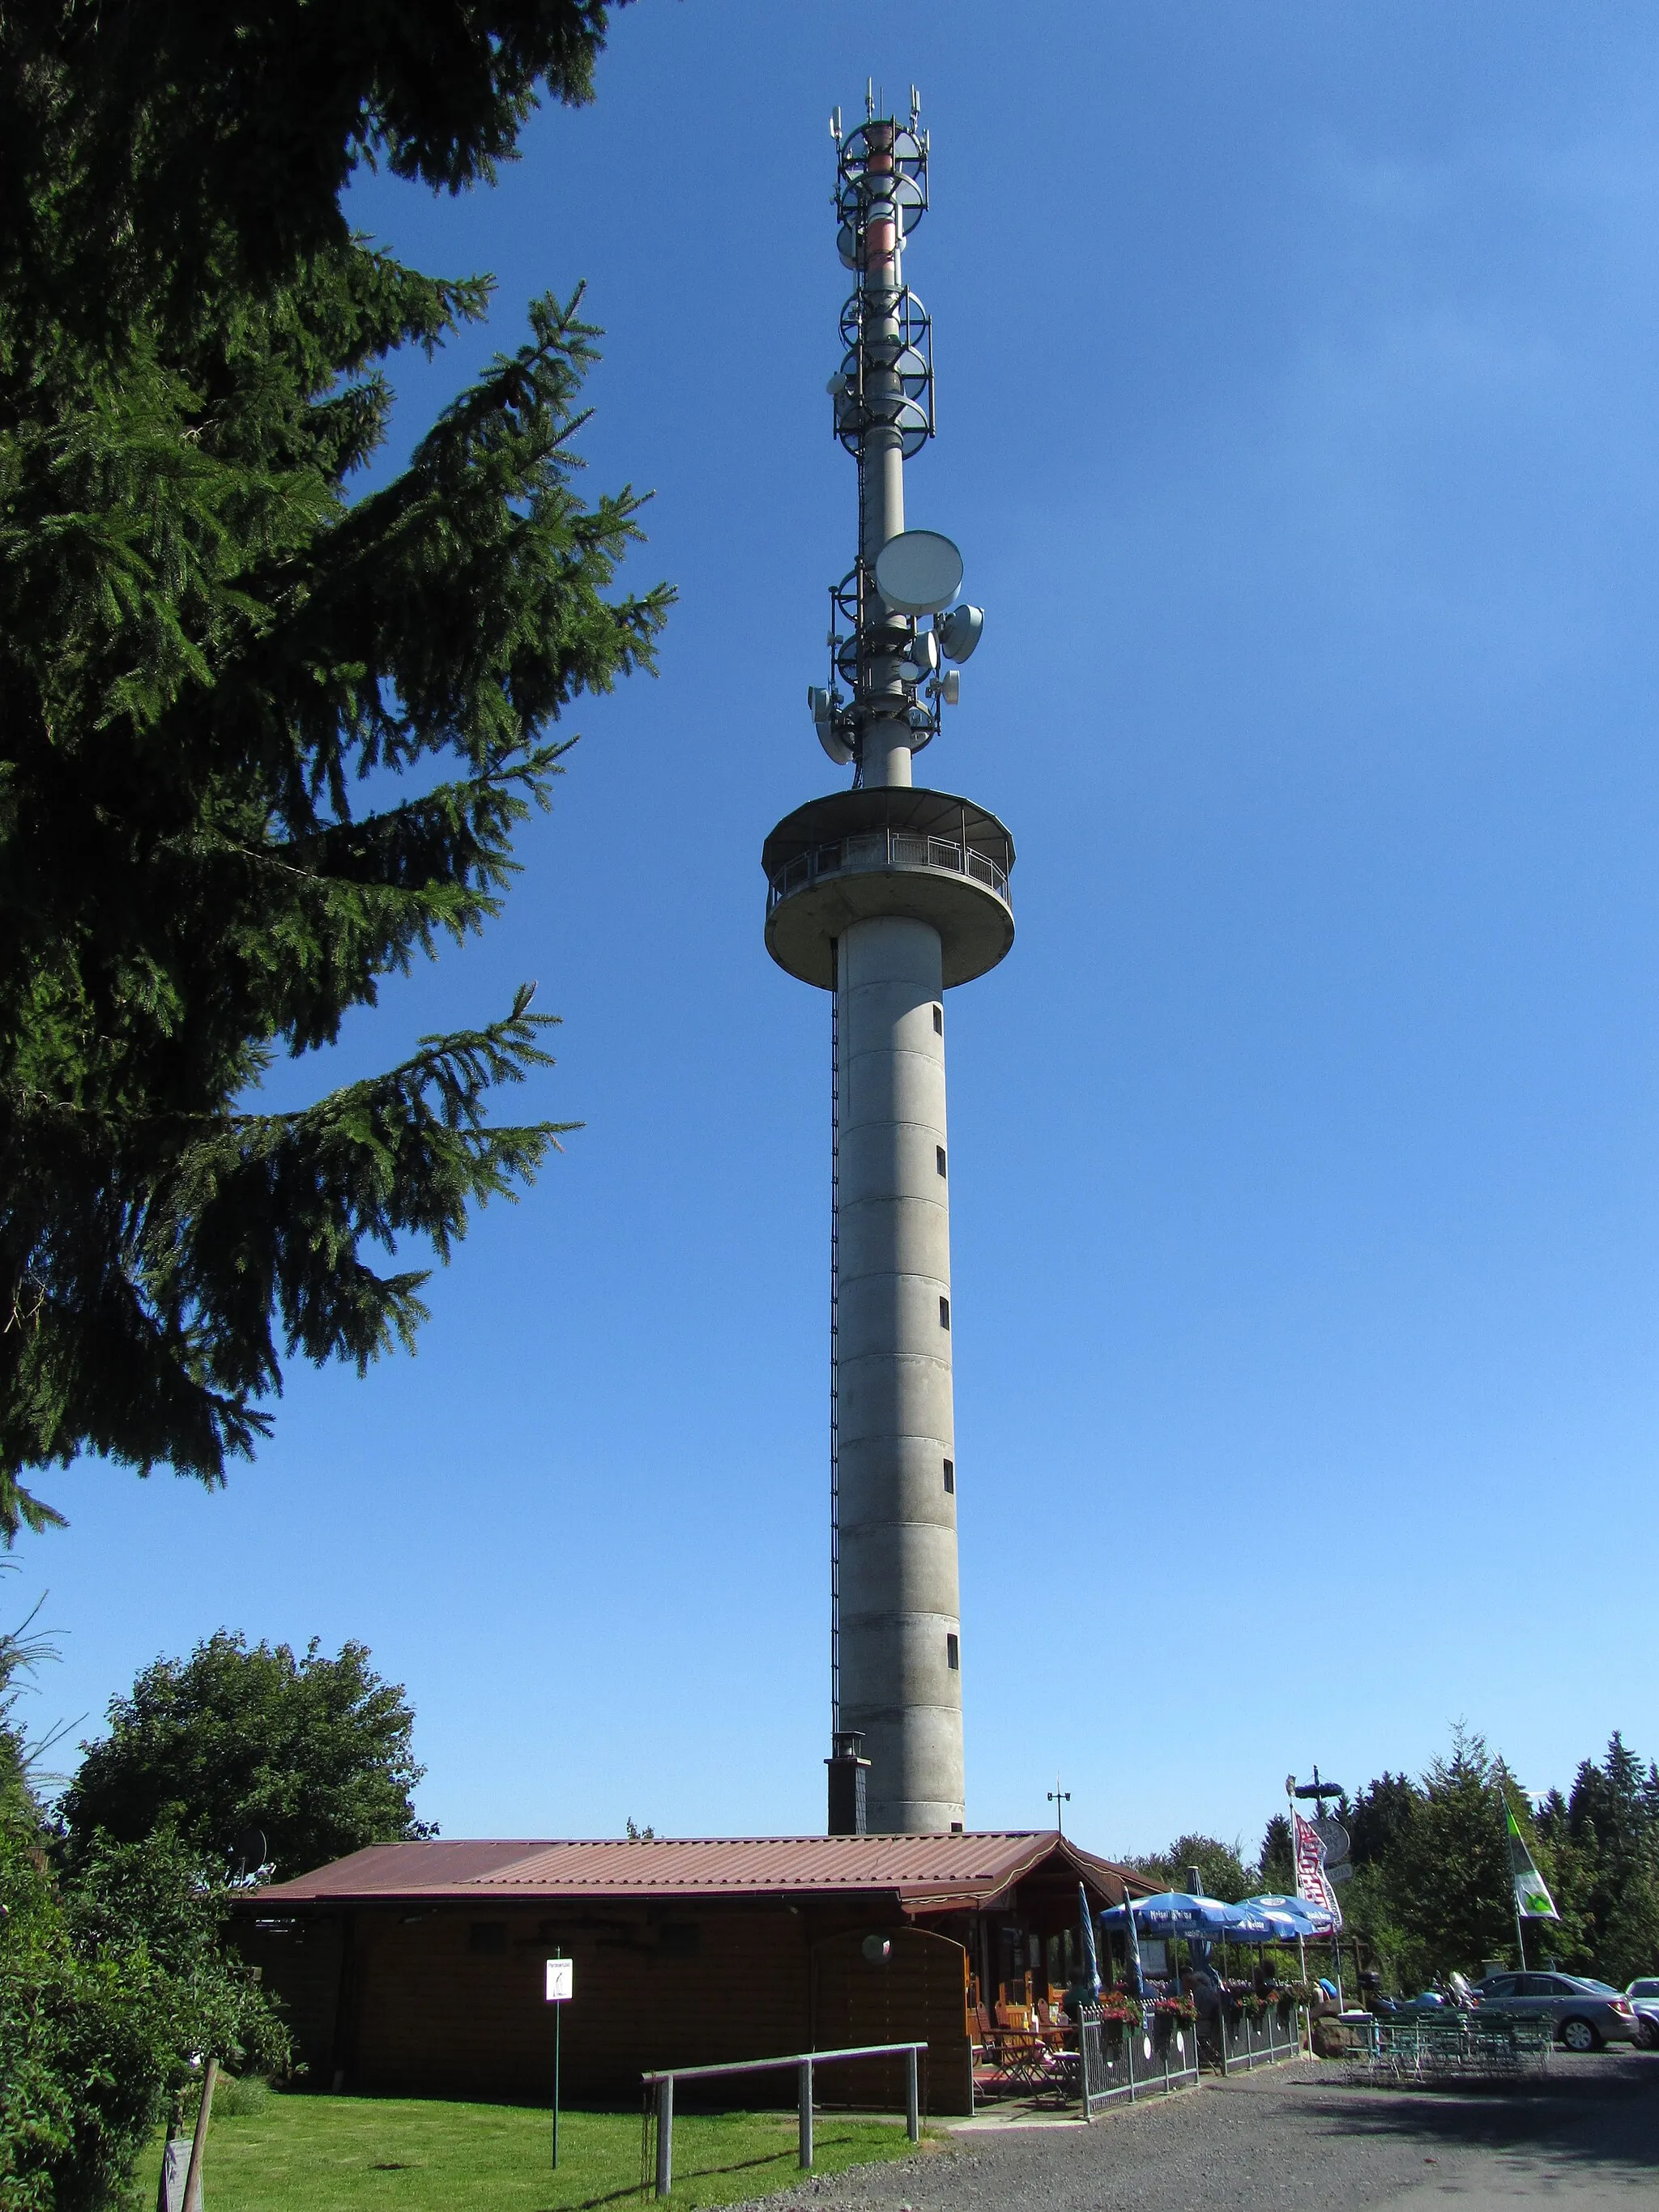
108	1990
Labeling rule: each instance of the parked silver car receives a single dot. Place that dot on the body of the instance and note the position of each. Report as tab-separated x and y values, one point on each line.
1645	2003
1586	2014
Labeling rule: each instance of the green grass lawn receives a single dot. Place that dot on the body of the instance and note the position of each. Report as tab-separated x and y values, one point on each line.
410	2155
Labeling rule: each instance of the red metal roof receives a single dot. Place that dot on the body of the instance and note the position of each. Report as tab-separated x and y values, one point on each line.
925	1872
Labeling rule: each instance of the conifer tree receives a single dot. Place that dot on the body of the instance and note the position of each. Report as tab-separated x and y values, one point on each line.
1612	1832
215	665
1449	1868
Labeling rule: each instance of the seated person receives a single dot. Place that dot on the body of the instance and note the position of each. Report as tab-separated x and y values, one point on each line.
1203	1985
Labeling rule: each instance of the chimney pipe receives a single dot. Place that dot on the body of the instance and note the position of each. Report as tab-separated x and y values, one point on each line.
847	1768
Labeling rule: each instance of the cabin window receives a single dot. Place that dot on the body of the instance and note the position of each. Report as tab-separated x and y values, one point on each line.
952	1649
945	1313
950	1475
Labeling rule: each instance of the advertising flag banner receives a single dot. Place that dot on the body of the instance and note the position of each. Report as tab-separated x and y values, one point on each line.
1312	1882
1532	1900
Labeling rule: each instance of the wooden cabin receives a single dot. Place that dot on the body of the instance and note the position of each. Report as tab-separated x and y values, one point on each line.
417	1969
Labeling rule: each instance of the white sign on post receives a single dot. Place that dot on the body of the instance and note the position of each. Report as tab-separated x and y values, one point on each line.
560	1980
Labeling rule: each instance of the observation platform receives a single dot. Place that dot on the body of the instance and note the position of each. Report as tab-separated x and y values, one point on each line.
895	850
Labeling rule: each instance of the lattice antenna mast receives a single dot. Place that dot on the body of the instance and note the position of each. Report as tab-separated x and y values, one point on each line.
887	678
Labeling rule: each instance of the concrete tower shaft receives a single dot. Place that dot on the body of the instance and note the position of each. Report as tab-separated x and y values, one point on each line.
901	1677
888	894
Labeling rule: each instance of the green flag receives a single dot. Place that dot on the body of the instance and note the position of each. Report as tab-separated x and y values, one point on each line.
1532	1901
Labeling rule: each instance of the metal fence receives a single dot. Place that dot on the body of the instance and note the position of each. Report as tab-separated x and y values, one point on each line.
656	2130
1237	2039
1461	2047
1120	2059
886	848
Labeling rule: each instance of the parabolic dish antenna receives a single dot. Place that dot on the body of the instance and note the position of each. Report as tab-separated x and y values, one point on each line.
918	572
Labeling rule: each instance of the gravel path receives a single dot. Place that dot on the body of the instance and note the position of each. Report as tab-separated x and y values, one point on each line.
1286	2137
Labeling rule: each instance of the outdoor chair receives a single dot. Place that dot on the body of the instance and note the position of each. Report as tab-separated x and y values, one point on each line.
1062	2072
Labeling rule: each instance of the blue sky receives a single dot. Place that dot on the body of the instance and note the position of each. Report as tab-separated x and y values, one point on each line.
1297	410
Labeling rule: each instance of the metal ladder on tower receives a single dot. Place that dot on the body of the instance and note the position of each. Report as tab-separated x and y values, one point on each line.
835	1340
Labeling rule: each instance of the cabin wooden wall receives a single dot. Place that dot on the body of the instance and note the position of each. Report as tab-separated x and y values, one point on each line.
448	2000
918	1994
299	1964
454	2004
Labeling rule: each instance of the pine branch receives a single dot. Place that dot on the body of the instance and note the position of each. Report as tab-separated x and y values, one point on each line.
243	1225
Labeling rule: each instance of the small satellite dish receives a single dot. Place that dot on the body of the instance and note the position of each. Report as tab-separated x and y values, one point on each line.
823	721
920	659
249	1850
918	572
959	631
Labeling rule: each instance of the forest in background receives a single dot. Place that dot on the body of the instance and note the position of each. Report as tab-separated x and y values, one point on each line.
1431	1887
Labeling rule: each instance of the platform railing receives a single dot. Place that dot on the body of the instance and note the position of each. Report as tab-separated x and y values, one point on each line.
806	2063
886	848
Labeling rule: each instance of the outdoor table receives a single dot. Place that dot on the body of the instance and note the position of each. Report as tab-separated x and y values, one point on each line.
1021	2057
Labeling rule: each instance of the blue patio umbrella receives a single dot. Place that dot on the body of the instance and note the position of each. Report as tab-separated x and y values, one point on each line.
1090	1976
1172	1912
1310	1919
1122	1915
1265	1924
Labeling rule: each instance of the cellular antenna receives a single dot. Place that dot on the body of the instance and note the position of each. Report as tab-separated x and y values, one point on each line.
887	894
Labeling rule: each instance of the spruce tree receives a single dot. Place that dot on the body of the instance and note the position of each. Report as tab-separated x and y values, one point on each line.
1449	1882
262	742
1380	1815
1611	1826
